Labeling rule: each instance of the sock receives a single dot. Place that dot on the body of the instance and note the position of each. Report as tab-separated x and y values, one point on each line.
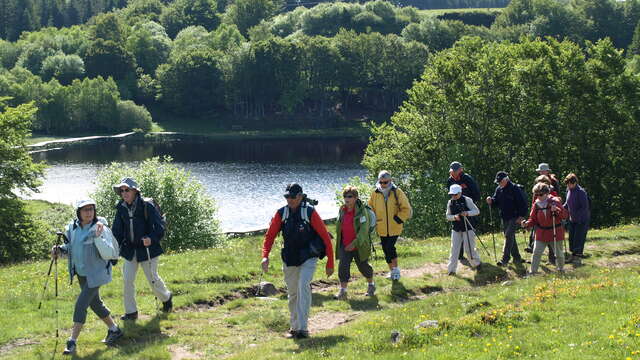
114	327
372	283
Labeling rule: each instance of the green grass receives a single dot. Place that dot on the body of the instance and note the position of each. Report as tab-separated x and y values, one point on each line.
550	316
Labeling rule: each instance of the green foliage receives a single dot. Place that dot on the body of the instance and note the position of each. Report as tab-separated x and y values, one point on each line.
150	45
183	13
133	116
190	212
65	68
508	107
107	58
248	13
364	190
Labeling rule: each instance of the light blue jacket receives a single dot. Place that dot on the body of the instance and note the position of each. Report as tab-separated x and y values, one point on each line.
98	271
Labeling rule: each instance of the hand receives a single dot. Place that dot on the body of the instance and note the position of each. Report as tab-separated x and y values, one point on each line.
99	228
464	213
329	272
350	247
523	223
146	241
457	217
520	219
265	265
554	209
489	200
55	250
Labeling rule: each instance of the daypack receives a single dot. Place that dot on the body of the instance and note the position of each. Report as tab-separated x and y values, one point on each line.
316	245
107	245
163	217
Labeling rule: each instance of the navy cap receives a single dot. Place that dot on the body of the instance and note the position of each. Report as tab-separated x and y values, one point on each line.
500	175
455	166
293	190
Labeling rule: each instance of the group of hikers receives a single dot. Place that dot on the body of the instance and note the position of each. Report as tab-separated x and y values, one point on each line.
138	228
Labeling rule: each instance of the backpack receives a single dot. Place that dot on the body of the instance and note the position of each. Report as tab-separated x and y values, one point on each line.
107	245
317	246
163	217
371	215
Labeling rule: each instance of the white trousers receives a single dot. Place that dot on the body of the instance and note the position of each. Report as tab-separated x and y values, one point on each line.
150	268
298	279
458	239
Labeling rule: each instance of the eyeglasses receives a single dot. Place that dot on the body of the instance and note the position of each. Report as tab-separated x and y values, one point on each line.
290	196
125	190
348	196
384	182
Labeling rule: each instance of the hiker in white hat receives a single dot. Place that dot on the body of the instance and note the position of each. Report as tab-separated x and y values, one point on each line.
461	212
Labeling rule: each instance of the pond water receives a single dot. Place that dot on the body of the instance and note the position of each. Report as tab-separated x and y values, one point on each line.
247	192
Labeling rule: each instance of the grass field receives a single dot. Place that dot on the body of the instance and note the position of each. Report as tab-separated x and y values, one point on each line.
591	312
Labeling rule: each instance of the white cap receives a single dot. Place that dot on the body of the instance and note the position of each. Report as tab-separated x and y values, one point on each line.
82	203
455	189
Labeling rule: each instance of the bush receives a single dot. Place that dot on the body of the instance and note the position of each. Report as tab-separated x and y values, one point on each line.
133	116
364	190
190	212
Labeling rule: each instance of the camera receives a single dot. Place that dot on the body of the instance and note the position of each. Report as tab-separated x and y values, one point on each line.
310	201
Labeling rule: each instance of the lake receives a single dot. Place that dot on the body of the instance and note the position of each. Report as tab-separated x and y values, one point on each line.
247	192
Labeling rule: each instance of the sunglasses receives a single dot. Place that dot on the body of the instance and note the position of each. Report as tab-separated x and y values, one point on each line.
290	196
125	190
383	182
348	196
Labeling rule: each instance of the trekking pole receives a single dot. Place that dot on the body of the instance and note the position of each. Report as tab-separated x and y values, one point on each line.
46	282
259	283
477	237
493	236
55	264
466	231
153	279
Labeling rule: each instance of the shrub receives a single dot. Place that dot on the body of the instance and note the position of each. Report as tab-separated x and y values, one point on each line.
190	212
133	116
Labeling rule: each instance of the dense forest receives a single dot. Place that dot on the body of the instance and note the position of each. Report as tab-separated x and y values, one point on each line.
251	60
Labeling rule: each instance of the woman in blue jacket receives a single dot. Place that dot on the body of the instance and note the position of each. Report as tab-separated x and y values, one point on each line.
92	271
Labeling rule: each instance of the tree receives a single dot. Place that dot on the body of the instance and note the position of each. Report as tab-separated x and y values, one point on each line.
109	27
18	171
248	13
192	83
107	58
65	68
150	45
183	13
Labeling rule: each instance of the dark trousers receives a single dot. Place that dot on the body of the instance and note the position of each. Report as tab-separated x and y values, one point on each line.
577	237
89	297
344	266
510	248
389	247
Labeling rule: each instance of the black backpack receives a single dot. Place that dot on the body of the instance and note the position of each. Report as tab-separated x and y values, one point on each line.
163	217
317	246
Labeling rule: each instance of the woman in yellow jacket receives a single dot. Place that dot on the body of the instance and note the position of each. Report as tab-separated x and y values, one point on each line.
392	209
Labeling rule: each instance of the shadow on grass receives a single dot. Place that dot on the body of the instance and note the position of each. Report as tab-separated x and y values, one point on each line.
318	299
399	292
367	304
137	336
316	342
492	274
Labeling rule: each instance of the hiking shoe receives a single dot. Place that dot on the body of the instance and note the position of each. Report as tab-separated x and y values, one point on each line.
302	334
71	347
528	249
371	290
395	274
168	305
112	336
518	261
291	334
502	263
131	316
477	268
452	273
341	294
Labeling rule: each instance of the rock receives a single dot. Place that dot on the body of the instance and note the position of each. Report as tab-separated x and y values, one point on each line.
395	336
267	289
507	283
428	324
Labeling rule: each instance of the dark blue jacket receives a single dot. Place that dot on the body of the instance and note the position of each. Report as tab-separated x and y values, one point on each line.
151	227
510	201
469	186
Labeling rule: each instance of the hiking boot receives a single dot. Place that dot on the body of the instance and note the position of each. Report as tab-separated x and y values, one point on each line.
291	334
395	274
477	268
371	290
452	273
168	305
341	294
71	347
502	263
112	336
131	316
302	334
518	261
528	249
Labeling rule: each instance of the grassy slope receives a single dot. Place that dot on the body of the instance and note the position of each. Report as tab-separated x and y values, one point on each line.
548	316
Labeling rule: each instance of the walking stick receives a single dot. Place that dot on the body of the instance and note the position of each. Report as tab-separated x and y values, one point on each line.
477	236
153	279
466	231
55	272
46	282
493	236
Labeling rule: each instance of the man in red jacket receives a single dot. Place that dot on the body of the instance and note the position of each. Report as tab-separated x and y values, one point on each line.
305	241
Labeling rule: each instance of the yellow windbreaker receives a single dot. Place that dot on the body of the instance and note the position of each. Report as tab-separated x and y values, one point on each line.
390	214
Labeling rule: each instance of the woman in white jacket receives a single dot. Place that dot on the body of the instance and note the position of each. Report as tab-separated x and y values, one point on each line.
91	269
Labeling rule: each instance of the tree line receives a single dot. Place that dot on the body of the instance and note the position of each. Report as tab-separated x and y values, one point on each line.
250	60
